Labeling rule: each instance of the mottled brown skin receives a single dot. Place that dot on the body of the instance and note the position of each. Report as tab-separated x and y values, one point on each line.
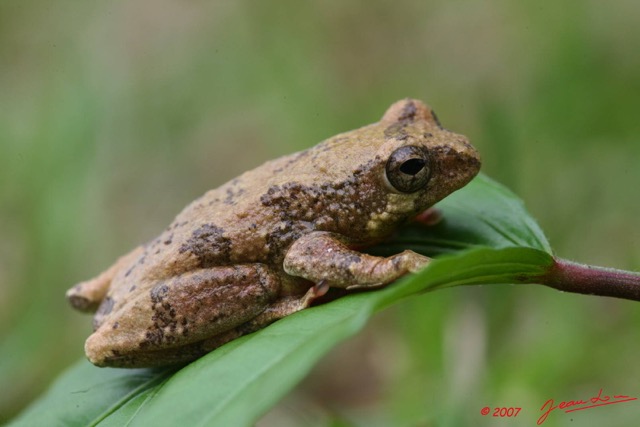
268	242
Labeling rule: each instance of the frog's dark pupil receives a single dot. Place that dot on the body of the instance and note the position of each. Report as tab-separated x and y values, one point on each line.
412	167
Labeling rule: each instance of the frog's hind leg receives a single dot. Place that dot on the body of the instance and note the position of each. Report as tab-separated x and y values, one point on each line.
105	347
188	352
169	321
86	296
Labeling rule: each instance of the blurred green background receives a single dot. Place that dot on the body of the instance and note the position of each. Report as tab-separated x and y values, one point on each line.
114	115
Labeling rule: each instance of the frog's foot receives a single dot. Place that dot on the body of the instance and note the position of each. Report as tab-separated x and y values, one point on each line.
429	217
87	296
316	291
290	305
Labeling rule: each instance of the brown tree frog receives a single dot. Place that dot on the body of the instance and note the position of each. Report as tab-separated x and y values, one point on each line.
267	243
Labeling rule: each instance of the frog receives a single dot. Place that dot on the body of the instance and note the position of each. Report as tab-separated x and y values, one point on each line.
275	239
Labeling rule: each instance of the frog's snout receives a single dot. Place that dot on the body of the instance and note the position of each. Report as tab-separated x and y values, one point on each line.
460	163
470	158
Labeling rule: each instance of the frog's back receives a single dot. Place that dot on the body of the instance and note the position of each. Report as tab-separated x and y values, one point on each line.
227	225
258	215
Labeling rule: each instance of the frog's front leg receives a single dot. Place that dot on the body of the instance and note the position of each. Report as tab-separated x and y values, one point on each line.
323	257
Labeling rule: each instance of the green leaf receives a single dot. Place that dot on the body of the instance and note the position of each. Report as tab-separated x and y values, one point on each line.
85	394
487	237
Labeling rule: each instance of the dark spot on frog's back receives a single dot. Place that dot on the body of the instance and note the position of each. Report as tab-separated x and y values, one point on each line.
408	112
153	337
158	293
297	157
397	131
104	310
272	196
209	245
163	318
435	119
130	270
106	307
292	159
279	240
233	195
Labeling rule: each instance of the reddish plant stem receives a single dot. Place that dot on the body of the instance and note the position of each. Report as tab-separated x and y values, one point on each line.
585	279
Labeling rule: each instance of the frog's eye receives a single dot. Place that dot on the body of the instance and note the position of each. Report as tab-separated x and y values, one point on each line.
408	168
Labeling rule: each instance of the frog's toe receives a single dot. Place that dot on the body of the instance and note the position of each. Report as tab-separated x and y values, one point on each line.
429	217
84	297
